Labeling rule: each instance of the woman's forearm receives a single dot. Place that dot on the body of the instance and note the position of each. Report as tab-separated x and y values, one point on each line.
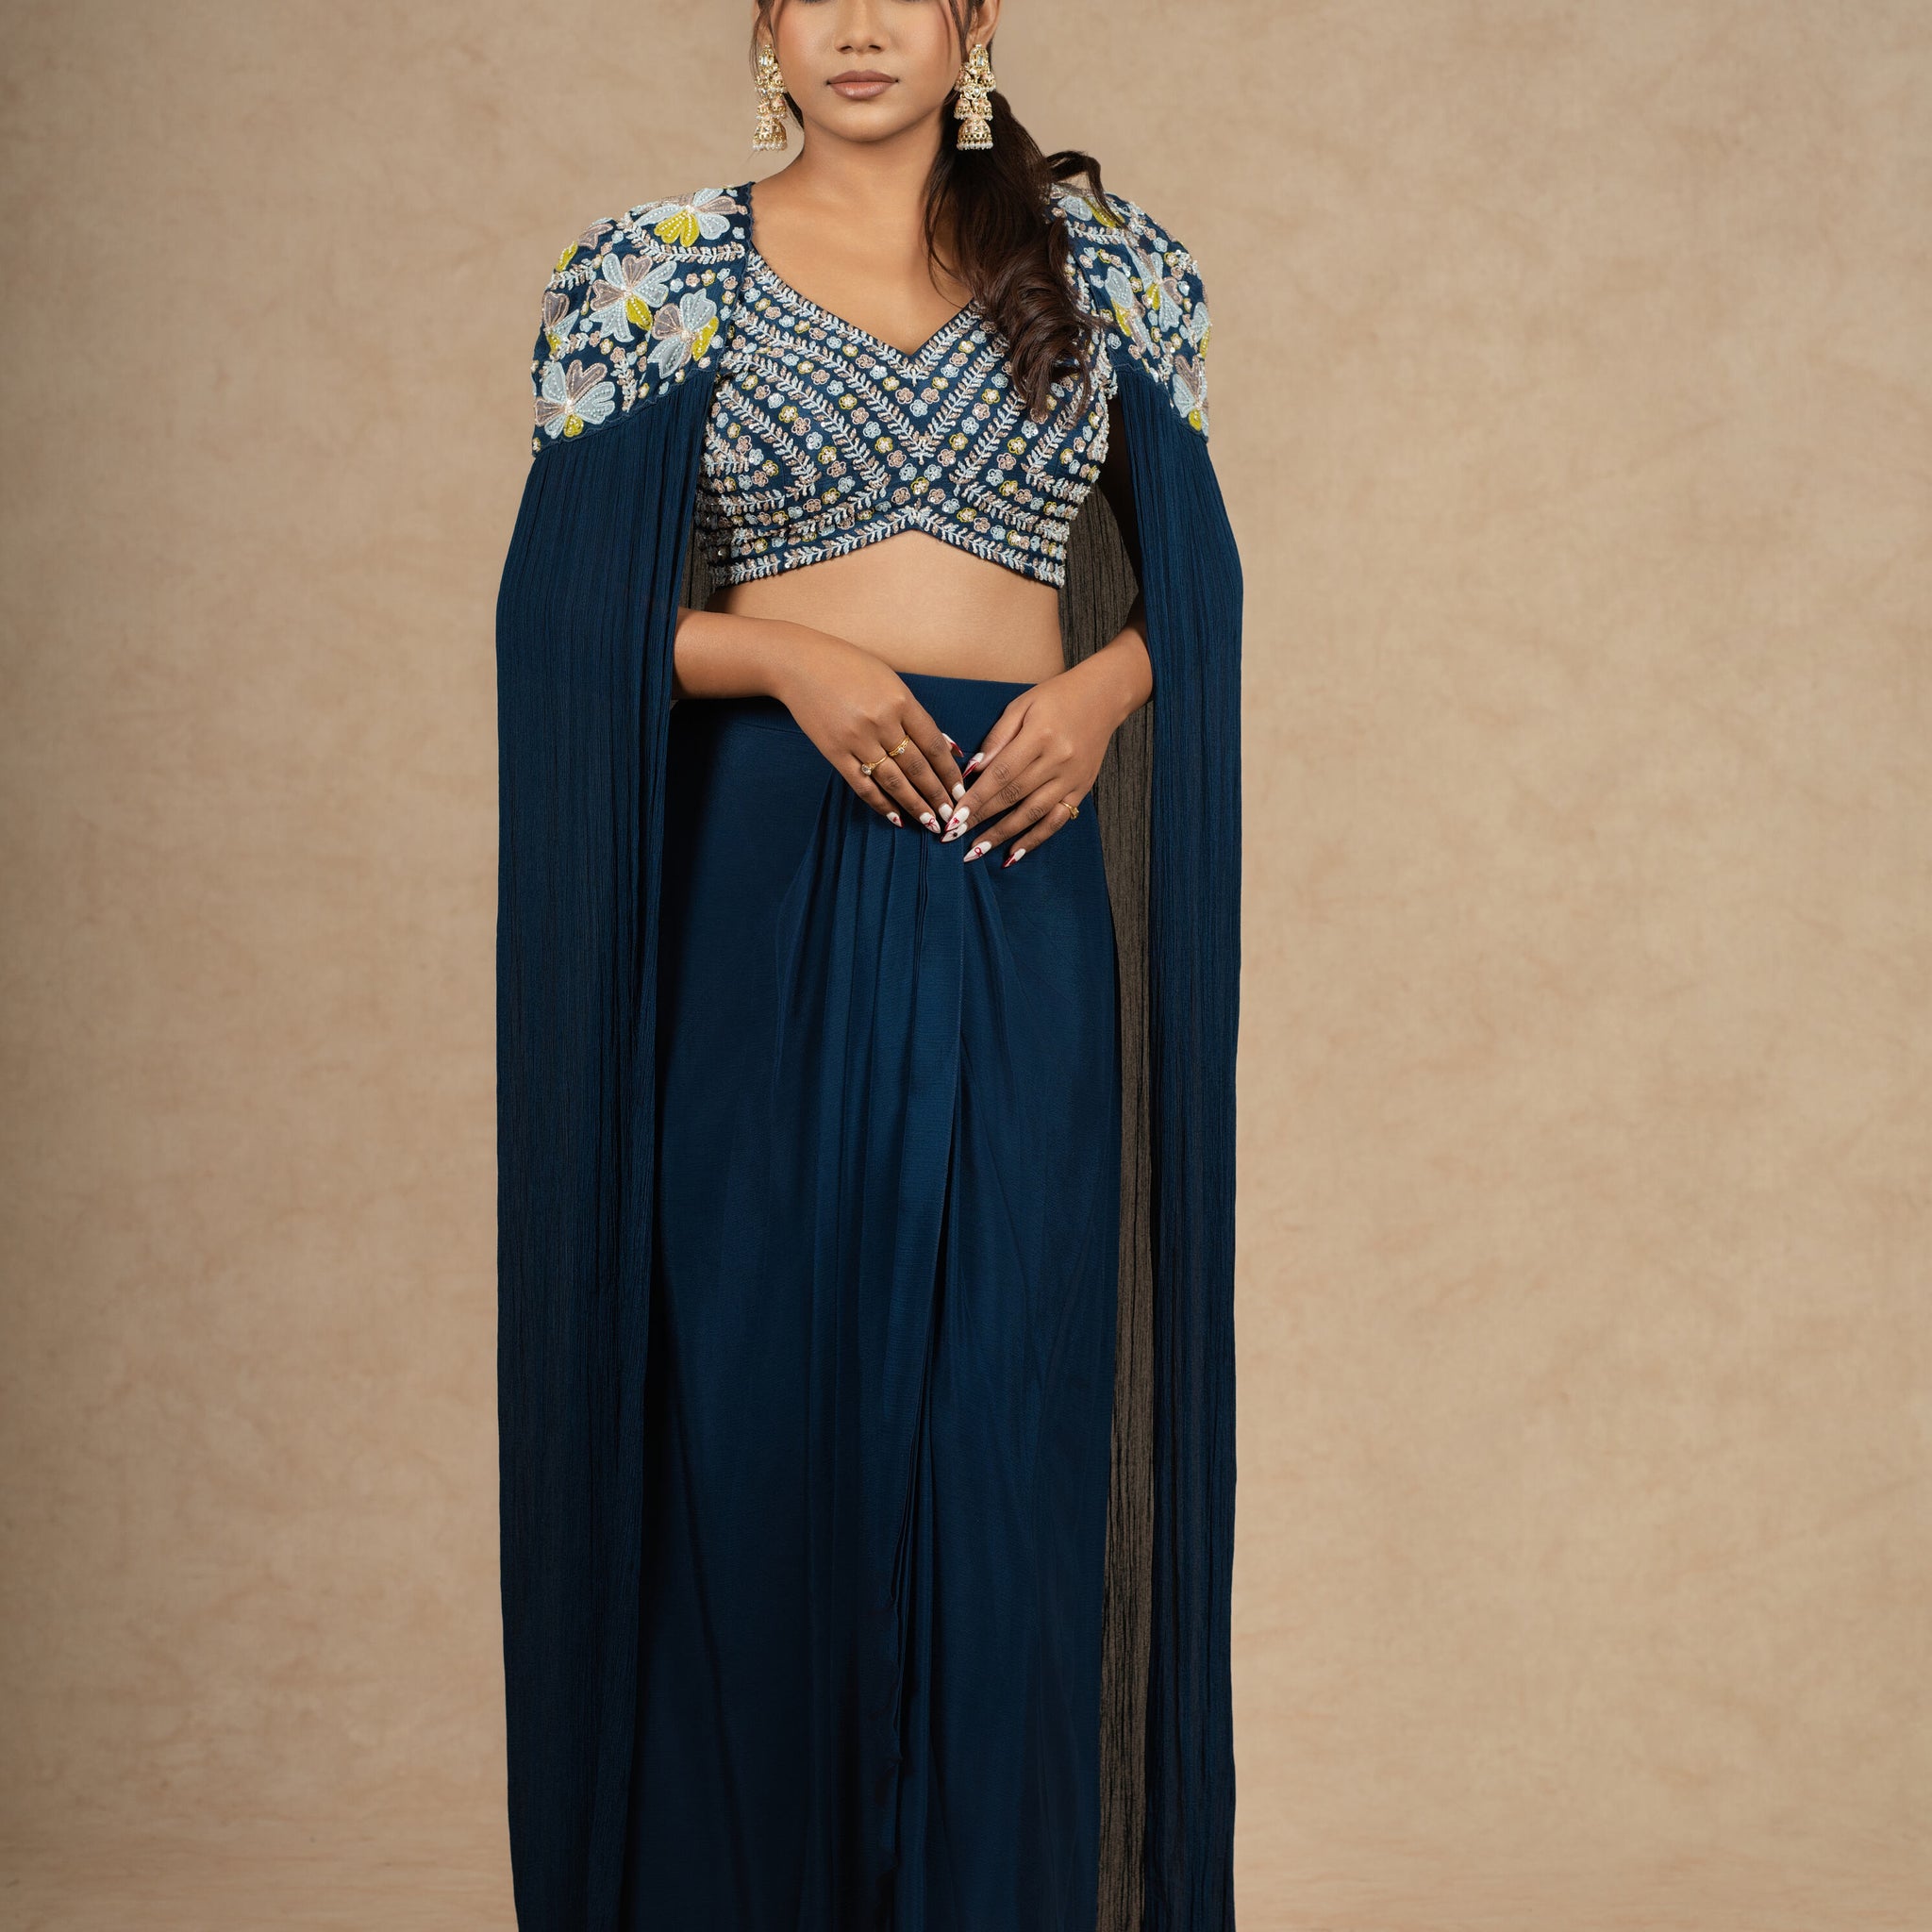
1122	662
718	653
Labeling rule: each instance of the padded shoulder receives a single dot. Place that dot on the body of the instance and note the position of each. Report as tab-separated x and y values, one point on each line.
632	305
1133	272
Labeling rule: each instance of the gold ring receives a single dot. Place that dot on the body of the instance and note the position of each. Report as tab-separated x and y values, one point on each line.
1072	810
869	768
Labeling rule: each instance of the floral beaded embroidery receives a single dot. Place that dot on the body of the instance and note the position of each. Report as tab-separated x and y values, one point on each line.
632	305
569	398
1127	266
636	303
823	438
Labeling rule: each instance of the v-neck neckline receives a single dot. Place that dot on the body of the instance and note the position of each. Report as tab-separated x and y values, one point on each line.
910	357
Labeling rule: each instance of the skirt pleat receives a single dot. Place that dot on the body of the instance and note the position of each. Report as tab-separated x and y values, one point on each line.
880	1383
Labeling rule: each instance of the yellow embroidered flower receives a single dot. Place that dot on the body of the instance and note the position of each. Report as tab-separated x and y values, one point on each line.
1123	295
626	291
1198	327
1160	287
1190	389
571	397
559	319
683	223
1095	205
683	331
588	239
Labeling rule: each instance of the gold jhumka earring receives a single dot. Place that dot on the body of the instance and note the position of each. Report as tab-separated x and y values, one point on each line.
770	136
973	108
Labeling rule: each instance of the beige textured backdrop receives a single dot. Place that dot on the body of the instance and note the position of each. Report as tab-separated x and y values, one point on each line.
1573	397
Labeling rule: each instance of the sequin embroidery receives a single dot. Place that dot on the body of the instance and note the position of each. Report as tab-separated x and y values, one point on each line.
820	437
823	438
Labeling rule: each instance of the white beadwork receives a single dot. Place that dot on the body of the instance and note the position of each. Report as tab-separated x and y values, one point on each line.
822	438
637	303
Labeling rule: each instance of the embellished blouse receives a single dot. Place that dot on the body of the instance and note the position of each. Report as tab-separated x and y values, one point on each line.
821	437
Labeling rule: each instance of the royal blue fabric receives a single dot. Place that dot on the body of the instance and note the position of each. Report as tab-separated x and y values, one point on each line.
881	1356
585	630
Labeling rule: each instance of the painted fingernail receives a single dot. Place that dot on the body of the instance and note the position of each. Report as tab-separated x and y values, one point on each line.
957	746
973	763
984	845
926	819
1013	858
958	791
894	817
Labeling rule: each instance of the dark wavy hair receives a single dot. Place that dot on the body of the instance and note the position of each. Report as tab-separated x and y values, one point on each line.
1010	251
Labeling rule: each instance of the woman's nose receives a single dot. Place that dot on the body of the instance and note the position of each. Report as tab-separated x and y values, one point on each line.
858	27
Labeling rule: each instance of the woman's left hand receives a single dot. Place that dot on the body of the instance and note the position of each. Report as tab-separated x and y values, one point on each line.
1041	756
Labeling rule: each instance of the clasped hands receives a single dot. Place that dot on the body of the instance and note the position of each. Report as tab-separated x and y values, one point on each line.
1039	759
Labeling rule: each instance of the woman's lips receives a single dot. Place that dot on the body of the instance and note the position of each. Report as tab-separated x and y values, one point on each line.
861	86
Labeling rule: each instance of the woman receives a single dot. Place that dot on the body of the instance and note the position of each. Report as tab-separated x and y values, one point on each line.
865	1206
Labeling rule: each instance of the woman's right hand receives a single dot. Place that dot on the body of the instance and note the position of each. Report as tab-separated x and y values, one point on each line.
857	709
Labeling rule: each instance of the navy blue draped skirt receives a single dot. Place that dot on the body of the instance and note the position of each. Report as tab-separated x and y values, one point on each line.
880	1379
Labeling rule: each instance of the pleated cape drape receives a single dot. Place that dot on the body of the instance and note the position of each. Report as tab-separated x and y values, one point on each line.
600	560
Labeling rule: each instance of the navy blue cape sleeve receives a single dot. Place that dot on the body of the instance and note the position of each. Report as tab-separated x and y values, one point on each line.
586	622
1148	287
1192	581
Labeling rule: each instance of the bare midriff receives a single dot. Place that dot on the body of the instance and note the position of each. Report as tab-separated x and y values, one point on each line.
921	604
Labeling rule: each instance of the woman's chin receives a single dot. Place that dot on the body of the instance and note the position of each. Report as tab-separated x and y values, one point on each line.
877	118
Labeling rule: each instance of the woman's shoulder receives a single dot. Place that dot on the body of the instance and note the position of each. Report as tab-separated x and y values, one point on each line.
1110	219
1142	279
633	302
